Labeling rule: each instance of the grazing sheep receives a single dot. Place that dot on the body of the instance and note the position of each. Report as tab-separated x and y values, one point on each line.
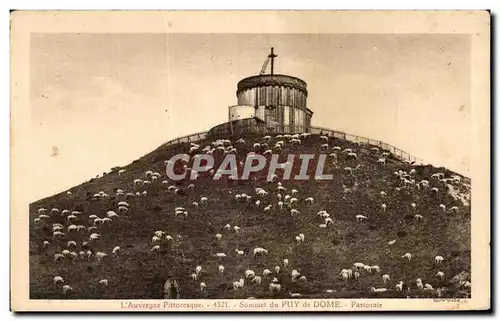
266	272
399	286
438	259
418	217
428	287
103	282
345	276
440	274
240	252
202	286
249	274
386	278
294	212
198	269
285	263
203	200
443	207
71	243
295	295
361	218
260	251
221	254
122	209
58	279
116	250
358	265
238	284
375	268
58	257
218	237
66	289
57	234
194	276
277	269
384	207
407	256
100	256
221	269
373	289
274	287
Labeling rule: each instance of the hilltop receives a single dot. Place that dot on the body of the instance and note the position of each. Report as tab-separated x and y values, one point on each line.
137	273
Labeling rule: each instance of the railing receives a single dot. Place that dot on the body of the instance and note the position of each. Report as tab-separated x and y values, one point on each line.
225	130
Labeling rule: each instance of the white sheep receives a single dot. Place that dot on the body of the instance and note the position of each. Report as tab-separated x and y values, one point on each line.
285	262
375	268
116	250
399	286
361	218
249	274
155	248
58	279
373	289
218	236
203	200
294	212
428	287
438	259
58	257
103	282
384	207
220	254
66	288
274	287
238	284
71	243
240	252
266	272
277	269
302	236
122	209
198	269
202	286
443	207
260	251
407	256
418	217
358	265
194	276
295	275
257	280
440	274
100	256
386	278
221	269
322	226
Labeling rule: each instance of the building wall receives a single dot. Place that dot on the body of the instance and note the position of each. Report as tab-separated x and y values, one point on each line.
241	112
273	96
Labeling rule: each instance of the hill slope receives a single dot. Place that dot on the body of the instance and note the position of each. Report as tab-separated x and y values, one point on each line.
138	273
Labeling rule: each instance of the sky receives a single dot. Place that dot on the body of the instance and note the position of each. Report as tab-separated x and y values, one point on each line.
104	100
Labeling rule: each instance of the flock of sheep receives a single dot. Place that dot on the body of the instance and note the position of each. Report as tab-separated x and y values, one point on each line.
76	233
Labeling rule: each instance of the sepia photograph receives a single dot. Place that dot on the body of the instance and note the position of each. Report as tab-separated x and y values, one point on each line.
221	166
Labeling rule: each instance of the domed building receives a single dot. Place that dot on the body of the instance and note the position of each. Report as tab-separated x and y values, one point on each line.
268	103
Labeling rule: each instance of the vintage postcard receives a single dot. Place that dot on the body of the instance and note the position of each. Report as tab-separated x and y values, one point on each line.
250	161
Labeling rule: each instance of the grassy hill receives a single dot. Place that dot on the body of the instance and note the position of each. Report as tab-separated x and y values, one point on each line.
137	273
